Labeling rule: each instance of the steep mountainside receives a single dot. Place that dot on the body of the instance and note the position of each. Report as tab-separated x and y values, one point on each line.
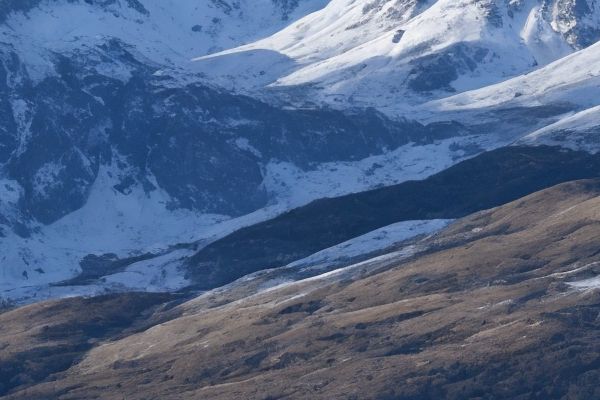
299	199
564	94
324	235
95	163
168	33
110	147
503	303
486	181
397	53
121	158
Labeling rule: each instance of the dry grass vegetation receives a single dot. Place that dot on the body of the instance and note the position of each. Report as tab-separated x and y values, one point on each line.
484	311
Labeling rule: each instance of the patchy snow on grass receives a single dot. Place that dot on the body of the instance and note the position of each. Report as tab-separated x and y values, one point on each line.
377	240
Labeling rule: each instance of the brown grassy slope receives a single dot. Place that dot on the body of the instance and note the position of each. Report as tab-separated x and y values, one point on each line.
484	312
42	339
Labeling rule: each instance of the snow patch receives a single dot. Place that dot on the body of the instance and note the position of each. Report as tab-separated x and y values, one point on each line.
377	240
294	186
578	131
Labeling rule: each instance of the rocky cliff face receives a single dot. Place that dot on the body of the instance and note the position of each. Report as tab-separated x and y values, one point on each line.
106	122
72	102
109	121
577	20
201	145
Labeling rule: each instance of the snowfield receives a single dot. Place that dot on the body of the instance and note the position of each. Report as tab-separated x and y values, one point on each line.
137	224
519	71
573	79
571	83
580	131
377	240
167	32
391	54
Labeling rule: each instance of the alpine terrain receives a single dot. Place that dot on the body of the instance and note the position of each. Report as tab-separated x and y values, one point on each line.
299	199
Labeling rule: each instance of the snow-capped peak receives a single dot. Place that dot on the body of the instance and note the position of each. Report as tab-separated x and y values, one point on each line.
168	32
390	53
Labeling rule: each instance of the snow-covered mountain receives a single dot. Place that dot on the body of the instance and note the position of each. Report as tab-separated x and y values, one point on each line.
580	131
563	95
221	197
108	149
95	165
395	53
134	132
168	32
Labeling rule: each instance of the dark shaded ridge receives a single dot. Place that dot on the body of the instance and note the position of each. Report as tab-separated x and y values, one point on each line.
489	180
71	328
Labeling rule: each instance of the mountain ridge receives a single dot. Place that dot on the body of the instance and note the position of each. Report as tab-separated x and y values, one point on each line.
105	118
324	199
498	300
